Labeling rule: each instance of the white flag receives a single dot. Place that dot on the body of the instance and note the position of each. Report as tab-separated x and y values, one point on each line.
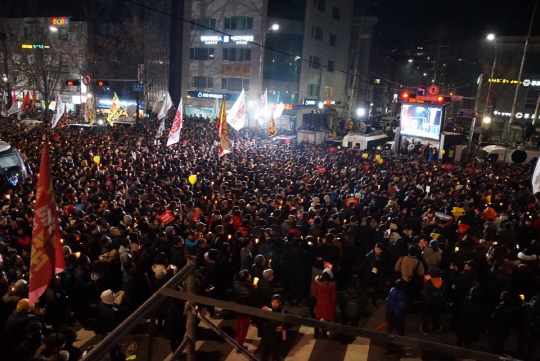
536	178
261	116
14	108
174	135
58	112
167	104
279	110
159	131
236	117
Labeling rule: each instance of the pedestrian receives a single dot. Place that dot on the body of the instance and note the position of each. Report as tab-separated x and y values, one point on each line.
374	269
354	301
396	310
432	255
501	323
273	333
326	293
108	315
471	319
243	295
433	299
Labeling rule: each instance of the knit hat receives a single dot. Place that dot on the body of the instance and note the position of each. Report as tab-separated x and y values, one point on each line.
434	244
23	305
107	297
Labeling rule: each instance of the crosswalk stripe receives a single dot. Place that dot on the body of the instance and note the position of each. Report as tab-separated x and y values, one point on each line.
358	350
302	345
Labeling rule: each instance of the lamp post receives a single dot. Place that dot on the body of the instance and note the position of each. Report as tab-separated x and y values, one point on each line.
274	27
491	37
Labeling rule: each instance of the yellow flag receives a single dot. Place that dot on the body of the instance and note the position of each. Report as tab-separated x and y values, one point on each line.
116	110
272	127
223	131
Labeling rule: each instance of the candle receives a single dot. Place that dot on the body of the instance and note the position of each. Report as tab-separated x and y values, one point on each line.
522	297
456	249
310	243
344	221
256	240
270	262
78	254
229	236
255	281
495	243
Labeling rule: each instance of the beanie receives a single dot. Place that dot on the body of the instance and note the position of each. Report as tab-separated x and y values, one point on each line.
434	244
23	305
329	272
107	297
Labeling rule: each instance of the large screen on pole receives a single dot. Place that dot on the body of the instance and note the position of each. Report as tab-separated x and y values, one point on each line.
421	121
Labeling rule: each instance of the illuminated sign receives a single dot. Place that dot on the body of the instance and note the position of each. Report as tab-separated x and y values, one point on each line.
60	21
310	102
285	106
329	102
238	39
502	81
240	70
529	82
519	115
34	46
211	95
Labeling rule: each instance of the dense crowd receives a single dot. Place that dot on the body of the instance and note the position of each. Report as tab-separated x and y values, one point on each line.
274	221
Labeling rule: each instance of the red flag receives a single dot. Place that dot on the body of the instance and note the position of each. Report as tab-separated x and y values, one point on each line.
47	257
33	100
26	102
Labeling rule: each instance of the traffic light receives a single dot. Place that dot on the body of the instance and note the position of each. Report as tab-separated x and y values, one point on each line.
102	83
405	95
440	98
73	82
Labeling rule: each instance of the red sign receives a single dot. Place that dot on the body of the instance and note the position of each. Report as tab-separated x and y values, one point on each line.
322	170
433	90
166	217
429	98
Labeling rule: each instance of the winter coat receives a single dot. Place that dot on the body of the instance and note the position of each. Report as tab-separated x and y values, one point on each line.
315	272
264	293
107	318
471	318
325	308
354	301
396	307
409	268
434	291
432	257
374	267
269	335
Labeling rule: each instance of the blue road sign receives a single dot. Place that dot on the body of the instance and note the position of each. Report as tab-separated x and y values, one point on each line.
137	87
421	90
467	113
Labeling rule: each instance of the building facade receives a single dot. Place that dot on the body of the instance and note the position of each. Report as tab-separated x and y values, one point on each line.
221	64
40	55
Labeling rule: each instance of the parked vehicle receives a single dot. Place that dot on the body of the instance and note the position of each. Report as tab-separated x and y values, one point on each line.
497	153
12	167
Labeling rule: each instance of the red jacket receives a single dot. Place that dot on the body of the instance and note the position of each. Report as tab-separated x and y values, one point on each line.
325	307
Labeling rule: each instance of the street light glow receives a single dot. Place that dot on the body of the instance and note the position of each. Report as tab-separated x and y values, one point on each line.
321	105
491	37
487	120
410	60
360	112
275	27
54	29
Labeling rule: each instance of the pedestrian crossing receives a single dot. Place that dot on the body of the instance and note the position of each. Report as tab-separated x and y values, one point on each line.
301	346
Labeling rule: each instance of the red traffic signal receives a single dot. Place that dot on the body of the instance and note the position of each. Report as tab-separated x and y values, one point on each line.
440	98
405	95
103	83
73	82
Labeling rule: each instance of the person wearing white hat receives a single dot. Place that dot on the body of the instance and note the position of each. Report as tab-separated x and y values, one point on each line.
107	318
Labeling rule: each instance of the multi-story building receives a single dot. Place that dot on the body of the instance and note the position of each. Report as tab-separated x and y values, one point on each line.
220	64
305	58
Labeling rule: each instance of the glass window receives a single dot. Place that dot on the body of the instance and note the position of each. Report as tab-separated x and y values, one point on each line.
328	91
203	82
333	39
201	53
63	34
29	33
320	4
314	62
236	54
9	161
313	90
239	23
205	22
335	13
235	84
330	67
317	33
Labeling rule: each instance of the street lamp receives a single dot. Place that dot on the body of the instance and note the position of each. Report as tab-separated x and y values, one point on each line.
491	37
360	112
54	29
274	27
487	120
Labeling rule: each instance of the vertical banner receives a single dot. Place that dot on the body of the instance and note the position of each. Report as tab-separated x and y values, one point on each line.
174	135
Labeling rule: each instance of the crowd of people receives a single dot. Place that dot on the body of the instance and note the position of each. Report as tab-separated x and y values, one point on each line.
338	230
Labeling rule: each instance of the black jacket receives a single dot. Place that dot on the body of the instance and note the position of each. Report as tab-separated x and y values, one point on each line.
269	335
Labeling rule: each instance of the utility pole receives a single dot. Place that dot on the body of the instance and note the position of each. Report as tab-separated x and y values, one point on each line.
436	64
536	110
356	64
514	104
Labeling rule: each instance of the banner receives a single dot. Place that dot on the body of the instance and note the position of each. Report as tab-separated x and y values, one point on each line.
160	131
14	108
116	110
47	257
237	115
174	135
238	70
272	127
536	178
261	117
167	104
57	111
223	132
89	107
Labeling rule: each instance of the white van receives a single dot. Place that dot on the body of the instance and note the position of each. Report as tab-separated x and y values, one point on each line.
364	141
497	153
12	168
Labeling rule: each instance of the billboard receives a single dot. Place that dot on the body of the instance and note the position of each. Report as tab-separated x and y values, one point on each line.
421	120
